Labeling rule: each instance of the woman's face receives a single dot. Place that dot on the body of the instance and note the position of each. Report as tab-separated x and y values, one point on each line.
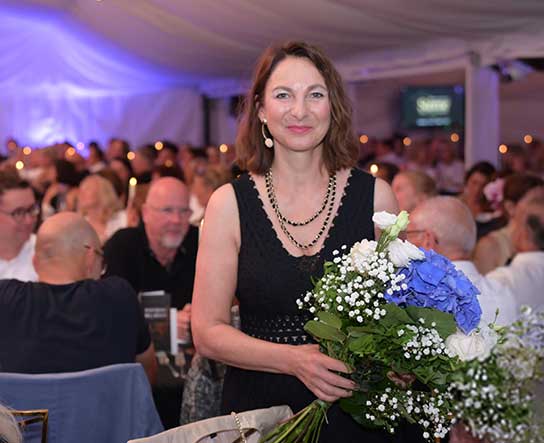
296	105
405	192
475	184
121	170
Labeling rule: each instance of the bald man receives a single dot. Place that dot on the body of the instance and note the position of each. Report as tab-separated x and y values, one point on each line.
69	320
161	253
446	225
525	274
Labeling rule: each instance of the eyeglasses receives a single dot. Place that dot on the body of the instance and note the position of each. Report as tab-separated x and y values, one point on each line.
171	210
19	214
419	231
414	231
100	254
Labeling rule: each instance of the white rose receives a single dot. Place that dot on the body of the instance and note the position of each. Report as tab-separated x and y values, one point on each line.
401	252
384	219
475	345
525	370
360	251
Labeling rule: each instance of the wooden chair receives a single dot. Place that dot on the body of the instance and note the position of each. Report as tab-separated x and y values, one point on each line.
26	419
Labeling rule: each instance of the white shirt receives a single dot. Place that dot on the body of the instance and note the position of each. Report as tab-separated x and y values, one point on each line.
390	157
97	167
525	277
117	221
20	267
493	296
198	211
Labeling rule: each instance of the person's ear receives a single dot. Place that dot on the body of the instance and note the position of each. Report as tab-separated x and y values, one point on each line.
510	208
89	262
93	262
260	111
144	212
429	240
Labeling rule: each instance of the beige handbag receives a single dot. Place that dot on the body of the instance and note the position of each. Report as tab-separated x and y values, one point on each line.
245	427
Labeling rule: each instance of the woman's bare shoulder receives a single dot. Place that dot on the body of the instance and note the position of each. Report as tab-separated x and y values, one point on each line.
384	198
223	200
222	212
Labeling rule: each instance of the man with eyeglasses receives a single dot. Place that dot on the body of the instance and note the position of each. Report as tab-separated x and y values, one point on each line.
160	254
446	225
70	320
18	216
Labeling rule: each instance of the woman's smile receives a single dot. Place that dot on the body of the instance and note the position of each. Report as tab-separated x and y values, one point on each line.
297	129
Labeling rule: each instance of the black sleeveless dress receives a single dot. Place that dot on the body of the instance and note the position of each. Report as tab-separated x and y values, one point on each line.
269	282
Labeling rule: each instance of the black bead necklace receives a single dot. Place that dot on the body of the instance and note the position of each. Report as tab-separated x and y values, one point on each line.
274	203
328	203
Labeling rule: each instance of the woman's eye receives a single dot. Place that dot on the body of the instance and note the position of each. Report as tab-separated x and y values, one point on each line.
317	94
282	95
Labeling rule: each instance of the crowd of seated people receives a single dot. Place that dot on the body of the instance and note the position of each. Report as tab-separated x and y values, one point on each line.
498	226
138	211
142	240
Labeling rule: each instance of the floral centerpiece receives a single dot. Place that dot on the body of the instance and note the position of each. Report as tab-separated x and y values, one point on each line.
382	308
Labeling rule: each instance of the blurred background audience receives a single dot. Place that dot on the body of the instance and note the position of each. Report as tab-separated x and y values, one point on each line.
145	207
412	188
496	248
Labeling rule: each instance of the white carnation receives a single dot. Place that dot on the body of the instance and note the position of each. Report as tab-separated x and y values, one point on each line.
361	251
401	252
475	345
384	219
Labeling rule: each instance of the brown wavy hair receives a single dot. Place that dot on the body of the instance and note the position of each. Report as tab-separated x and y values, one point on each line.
340	148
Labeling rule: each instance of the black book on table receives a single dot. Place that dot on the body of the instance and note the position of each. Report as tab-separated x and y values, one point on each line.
156	308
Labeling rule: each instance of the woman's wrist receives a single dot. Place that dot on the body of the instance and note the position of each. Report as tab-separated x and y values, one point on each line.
287	359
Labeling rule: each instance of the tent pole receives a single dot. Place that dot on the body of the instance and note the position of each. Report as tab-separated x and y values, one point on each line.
482	129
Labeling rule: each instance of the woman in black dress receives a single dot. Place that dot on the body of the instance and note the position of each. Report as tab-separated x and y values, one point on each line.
268	233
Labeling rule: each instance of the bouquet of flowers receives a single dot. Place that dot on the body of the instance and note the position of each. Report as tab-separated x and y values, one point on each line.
384	307
493	392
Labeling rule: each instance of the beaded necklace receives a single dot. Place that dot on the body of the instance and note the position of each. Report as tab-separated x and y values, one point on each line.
327	203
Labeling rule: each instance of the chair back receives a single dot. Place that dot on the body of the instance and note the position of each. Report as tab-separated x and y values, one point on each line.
33	424
111	404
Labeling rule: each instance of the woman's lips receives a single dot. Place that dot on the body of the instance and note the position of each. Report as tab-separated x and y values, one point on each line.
299	129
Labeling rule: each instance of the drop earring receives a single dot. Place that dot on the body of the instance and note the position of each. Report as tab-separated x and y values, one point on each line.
268	142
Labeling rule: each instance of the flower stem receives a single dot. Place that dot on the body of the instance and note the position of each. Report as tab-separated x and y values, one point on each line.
303	427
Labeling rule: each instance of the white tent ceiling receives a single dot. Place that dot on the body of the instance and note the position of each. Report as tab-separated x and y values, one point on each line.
215	42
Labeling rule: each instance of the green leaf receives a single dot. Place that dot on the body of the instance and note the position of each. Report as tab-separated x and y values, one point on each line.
359	331
330	319
355	403
356	407
323	331
395	316
363	345
439	379
423	374
445	323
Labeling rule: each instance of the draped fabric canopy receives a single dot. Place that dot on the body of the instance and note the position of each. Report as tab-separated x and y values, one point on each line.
112	50
222	38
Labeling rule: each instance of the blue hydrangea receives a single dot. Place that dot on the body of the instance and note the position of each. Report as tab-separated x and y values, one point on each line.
436	283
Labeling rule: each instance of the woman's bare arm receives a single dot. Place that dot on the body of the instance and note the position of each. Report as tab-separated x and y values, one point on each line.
215	284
